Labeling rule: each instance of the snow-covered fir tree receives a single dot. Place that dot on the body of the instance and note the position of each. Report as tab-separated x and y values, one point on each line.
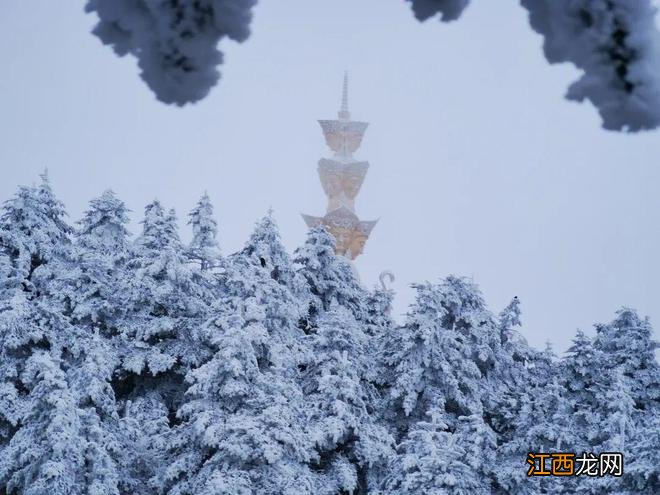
103	227
582	379
429	460
641	471
378	318
243	429
378	325
508	397
46	454
626	343
542	425
33	231
101	251
166	300
439	363
33	237
54	437
264	270
345	422
631	396
204	245
510	374
329	279
342	405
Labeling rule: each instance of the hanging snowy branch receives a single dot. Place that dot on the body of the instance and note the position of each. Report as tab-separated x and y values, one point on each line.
174	41
616	44
449	10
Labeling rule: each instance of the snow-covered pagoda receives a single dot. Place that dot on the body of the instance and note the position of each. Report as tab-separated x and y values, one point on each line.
342	177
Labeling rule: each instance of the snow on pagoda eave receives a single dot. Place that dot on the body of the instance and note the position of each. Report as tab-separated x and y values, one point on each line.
341	217
312	221
367	226
340	133
353	125
339	166
345	127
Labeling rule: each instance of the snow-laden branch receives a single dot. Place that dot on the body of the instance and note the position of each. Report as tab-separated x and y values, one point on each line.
616	44
449	10
175	41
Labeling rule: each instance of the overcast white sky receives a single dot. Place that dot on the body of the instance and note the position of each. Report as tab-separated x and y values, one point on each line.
478	165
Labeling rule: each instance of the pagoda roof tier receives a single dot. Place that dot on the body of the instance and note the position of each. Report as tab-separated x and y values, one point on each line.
341	217
342	180
343	136
350	233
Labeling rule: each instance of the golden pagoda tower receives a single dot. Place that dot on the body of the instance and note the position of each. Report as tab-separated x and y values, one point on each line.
341	177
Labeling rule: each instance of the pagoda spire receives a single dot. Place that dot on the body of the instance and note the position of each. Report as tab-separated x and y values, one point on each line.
344	114
341	177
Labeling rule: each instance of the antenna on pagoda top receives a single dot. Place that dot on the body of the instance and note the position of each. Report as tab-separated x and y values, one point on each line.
344	114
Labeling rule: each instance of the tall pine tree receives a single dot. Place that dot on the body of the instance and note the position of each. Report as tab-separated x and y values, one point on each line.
243	429
329	279
342	405
52	440
439	363
204	245
166	301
